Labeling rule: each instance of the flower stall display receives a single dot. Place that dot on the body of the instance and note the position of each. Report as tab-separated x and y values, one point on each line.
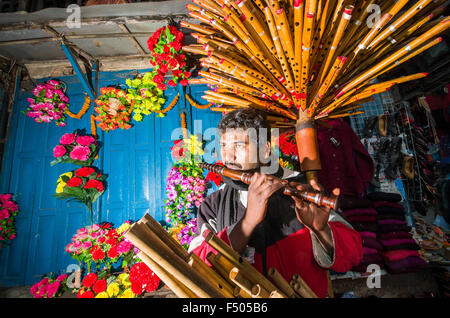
165	47
8	212
76	148
143	279
84	185
102	245
50	287
113	109
145	94
103	285
48	103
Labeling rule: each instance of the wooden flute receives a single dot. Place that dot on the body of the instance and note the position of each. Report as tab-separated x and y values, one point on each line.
315	197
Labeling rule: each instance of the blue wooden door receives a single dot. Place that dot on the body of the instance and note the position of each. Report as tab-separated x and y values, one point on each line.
136	161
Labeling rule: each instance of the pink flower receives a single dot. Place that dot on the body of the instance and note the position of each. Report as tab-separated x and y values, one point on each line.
4	214
67	139
59	151
85	140
61	278
77	244
53	82
52	289
87	245
5	197
124	247
12	236
80	153
49	93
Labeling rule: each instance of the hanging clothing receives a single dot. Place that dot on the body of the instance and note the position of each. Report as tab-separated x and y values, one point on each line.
346	164
280	241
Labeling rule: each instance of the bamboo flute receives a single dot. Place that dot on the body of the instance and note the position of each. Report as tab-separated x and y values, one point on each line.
409	14
240	280
346	16
198	28
146	241
281	54
164	236
307	290
285	37
298	29
258	292
377	69
175	285
197	264
211	6
276	294
280	282
243	265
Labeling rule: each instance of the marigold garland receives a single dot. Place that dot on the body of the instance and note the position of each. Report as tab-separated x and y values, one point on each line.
171	105
114	109
84	109
193	103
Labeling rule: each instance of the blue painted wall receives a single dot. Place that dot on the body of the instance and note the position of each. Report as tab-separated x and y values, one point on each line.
136	161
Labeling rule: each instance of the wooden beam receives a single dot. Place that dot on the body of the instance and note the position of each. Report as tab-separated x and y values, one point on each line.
133	40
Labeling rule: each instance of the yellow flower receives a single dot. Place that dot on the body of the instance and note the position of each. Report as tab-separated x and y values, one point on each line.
127	294
67	174
123	228
113	289
60	187
137	117
102	295
194	145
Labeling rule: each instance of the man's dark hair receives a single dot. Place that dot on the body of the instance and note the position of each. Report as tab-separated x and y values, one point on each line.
244	118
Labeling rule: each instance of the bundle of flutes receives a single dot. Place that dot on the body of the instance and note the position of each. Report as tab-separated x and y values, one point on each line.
188	276
306	61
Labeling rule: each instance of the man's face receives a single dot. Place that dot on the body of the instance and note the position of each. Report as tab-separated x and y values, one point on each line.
239	149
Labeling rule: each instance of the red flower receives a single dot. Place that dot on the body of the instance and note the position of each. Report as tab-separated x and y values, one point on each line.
187	74
173	63
98	255
87	294
171	83
176	45
84	172
99	286
74	182
136	288
163	68
158	79
112	253
89	280
183	82
177	73
166	49
111	241
101	239
162	87
95	184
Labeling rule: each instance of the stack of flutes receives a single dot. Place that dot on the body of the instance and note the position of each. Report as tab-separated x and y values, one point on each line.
188	276
307	61
312	59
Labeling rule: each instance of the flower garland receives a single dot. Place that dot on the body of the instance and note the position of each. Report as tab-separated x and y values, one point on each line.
102	245
48	103
84	185
75	148
8	212
185	186
113	109
50	287
167	55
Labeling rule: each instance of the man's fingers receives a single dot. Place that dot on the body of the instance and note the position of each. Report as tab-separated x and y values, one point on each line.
336	192
315	185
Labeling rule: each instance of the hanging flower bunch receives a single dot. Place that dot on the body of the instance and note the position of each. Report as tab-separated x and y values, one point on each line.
50	287
8	212
113	109
102	245
76	148
215	177
145	94
84	185
167	55
143	279
288	151
48	103
98	286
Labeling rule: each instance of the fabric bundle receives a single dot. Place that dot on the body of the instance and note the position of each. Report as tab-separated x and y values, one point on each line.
399	249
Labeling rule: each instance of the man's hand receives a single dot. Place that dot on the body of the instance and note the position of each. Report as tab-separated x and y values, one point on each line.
260	190
315	218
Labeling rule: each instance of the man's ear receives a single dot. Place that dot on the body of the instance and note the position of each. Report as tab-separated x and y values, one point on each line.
267	153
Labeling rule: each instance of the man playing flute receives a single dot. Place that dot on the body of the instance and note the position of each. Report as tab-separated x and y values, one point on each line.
267	227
